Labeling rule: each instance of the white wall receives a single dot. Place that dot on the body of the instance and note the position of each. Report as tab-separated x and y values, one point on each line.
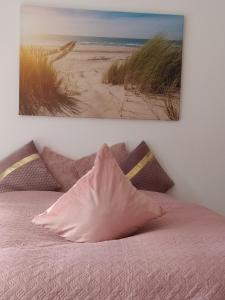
192	150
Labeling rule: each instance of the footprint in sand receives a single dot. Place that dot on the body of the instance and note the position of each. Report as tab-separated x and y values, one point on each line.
81	74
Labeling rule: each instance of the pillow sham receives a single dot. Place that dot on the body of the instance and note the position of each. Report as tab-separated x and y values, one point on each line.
144	171
68	171
61	167
24	170
102	205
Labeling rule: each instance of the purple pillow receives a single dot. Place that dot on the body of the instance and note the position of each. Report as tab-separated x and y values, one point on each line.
144	171
24	170
68	171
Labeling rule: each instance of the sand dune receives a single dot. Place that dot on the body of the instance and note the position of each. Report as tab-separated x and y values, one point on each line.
82	71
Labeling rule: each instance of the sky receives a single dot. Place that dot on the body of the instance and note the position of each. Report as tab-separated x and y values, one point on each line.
36	20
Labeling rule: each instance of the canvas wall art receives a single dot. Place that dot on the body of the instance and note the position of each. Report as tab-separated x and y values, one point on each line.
102	64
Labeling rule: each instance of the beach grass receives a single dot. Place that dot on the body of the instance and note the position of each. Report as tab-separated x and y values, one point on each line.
155	68
41	89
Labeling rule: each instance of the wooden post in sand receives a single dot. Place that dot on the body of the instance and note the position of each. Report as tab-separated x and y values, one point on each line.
60	52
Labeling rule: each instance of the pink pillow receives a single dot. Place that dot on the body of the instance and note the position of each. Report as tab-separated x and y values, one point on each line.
102	205
62	168
67	171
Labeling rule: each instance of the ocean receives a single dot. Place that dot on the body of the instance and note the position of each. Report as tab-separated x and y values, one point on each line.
88	40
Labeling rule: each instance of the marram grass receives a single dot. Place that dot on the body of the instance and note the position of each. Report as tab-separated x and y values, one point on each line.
153	69
41	89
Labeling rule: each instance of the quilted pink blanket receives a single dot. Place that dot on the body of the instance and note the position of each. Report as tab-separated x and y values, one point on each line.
179	256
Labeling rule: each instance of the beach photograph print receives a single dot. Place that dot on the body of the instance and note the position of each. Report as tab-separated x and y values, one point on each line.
100	64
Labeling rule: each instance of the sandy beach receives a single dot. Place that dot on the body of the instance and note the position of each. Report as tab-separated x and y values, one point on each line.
75	63
82	71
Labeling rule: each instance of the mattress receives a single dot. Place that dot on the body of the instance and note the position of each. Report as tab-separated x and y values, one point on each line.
179	256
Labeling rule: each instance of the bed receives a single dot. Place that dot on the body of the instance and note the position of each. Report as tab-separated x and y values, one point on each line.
179	256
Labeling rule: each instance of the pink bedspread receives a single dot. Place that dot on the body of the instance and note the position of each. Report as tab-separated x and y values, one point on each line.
179	256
